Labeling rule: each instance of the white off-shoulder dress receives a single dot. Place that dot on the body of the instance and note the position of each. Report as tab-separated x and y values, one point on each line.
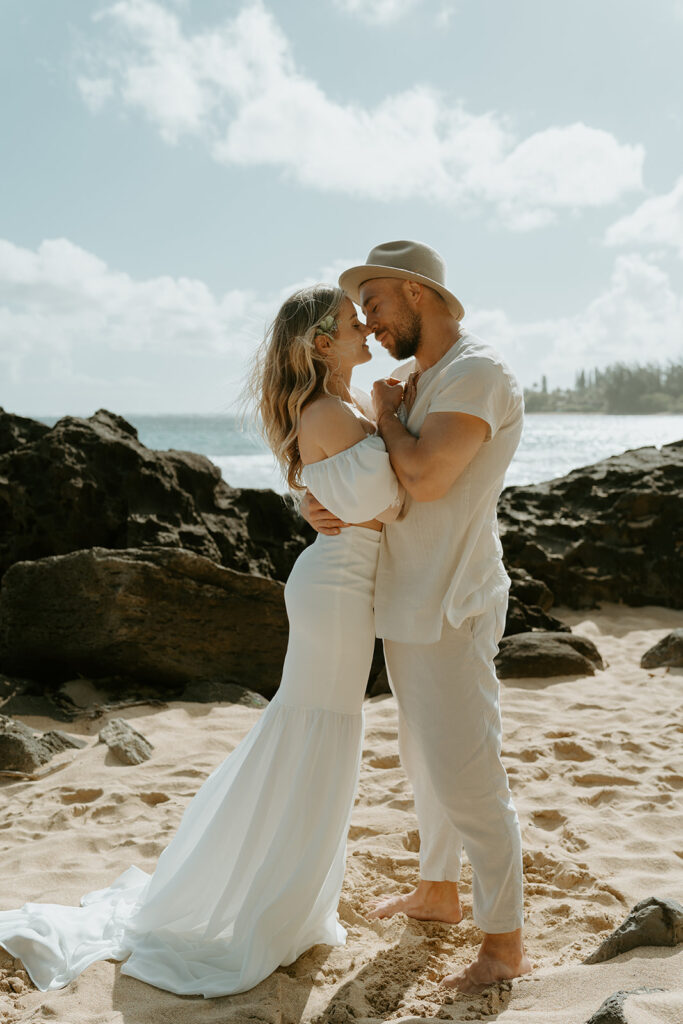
252	877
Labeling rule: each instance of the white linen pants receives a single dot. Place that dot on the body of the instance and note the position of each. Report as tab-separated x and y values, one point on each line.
450	743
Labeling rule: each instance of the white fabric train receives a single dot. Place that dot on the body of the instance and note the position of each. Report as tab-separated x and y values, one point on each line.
252	877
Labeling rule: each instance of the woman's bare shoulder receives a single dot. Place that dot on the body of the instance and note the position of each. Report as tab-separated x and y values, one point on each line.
321	407
327	426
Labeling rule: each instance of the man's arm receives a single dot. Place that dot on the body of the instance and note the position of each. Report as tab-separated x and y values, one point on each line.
428	465
320	518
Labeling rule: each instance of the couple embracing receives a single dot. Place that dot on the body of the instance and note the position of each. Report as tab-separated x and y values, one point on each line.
402	489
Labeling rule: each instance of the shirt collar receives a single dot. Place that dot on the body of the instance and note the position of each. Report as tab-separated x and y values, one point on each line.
448	356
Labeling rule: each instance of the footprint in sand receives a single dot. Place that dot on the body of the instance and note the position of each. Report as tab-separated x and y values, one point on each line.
80	796
363	832
570	750
540	866
152	799
675	781
188	773
401	803
527	755
598	779
387	761
549	819
572	842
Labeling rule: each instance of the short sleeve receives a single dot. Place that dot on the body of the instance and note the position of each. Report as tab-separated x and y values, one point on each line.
356	484
480	388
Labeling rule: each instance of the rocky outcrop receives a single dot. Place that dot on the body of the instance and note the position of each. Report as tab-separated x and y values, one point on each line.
177	582
18	430
213	691
23	750
652	922
126	744
161	616
613	1011
540	655
91	483
607	532
528	605
523	618
528	591
667	651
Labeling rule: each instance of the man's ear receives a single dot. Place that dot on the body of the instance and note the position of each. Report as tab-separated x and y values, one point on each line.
412	291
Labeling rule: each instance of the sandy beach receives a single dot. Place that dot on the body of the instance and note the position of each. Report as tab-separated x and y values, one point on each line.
596	769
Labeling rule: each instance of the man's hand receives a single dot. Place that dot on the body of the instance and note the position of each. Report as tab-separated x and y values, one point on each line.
320	518
386	395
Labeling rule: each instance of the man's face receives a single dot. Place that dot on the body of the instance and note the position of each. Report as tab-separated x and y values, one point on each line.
396	326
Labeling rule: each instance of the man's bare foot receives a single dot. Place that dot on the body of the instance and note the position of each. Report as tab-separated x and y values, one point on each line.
430	901
500	958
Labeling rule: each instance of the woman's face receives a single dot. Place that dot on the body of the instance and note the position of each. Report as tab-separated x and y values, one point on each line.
349	346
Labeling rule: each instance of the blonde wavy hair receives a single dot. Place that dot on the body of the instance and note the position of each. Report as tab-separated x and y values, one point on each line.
288	371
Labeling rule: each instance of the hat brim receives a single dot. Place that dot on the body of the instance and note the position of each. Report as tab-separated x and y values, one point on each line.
352	279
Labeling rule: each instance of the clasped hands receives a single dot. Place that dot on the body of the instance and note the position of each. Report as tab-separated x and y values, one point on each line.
386	398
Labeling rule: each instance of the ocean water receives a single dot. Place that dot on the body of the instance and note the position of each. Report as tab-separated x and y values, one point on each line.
552	443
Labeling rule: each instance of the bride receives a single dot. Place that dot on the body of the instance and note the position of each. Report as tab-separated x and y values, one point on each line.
252	877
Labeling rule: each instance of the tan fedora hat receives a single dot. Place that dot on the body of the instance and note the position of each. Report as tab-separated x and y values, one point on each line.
412	261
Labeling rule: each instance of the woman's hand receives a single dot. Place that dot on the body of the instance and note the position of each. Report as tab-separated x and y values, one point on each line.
320	518
387	395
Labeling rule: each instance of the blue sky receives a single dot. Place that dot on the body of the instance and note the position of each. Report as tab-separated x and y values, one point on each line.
171	170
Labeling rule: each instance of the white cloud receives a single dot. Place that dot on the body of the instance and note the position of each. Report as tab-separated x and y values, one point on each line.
76	334
444	14
74	331
570	167
638	318
81	298
95	91
378	12
656	222
236	86
387	12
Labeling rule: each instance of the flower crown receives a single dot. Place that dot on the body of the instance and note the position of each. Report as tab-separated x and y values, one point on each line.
328	325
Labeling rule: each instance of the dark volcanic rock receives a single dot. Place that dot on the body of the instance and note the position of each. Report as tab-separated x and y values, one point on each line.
159	615
529	591
23	750
125	742
91	483
212	691
528	605
18	430
546	654
20	697
608	532
379	685
612	1010
667	651
522	618
652	922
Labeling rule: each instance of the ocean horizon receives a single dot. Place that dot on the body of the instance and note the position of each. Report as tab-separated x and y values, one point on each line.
552	443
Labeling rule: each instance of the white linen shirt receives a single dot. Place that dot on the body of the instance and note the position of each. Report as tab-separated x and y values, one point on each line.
444	557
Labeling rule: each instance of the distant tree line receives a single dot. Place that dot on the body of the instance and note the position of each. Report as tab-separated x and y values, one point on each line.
618	388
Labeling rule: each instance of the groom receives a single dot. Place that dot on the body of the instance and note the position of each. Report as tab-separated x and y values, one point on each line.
441	594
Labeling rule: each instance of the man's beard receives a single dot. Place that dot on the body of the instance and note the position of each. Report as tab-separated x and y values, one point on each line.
407	335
